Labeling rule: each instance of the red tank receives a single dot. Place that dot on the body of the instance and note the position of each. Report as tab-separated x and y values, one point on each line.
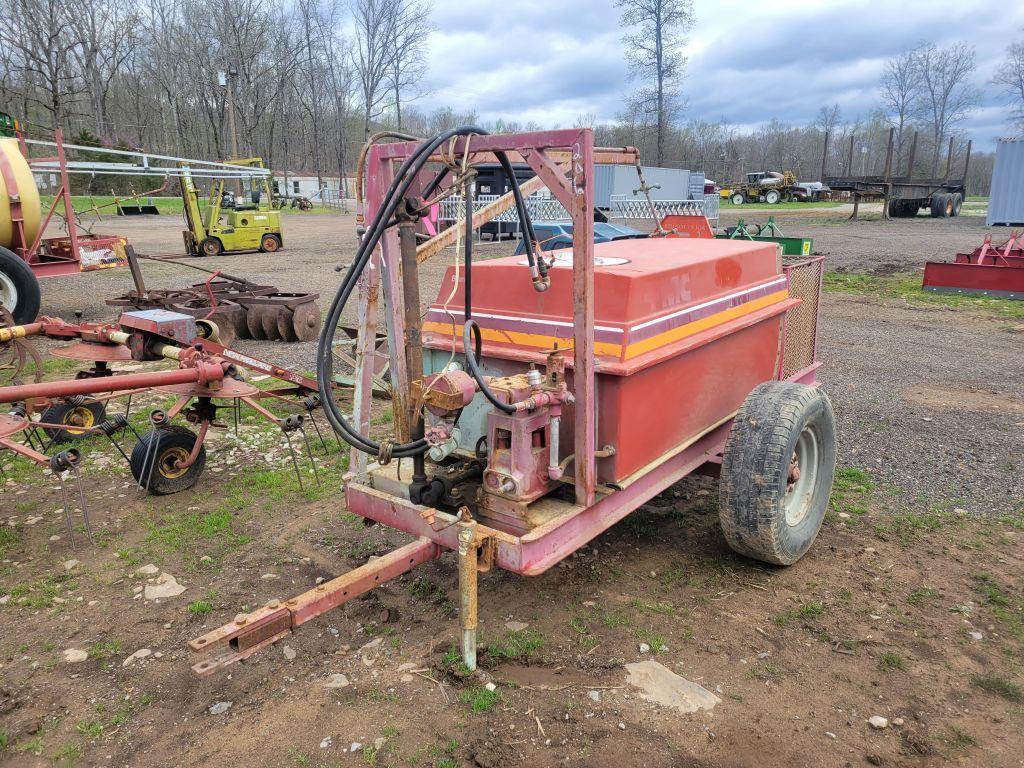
684	330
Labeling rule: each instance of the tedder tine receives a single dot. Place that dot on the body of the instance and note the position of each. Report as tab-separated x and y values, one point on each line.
249	633
309	452
290	424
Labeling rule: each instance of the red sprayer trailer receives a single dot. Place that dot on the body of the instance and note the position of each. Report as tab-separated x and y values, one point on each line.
541	399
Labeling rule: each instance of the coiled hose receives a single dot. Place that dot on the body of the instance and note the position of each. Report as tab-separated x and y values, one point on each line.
382	219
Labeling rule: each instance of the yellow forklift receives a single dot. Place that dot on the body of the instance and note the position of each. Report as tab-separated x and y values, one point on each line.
230	223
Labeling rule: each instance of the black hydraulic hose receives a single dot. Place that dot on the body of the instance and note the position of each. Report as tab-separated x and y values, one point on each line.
395	196
399	185
472	329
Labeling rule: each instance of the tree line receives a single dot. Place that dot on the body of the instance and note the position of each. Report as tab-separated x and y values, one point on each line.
306	81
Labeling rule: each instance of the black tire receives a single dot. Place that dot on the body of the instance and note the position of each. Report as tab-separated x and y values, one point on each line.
89	413
157	473
737	198
270	243
211	246
896	209
19	288
772	197
958	203
937	205
765	513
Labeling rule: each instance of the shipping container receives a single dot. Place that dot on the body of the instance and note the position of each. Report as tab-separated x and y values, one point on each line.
1006	198
672	183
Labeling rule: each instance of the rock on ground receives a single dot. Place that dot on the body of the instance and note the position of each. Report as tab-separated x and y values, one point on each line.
660	685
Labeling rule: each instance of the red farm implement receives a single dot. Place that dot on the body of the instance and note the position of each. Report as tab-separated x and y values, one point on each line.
541	399
167	457
989	270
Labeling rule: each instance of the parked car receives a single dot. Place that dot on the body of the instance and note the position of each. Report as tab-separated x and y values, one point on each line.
554	235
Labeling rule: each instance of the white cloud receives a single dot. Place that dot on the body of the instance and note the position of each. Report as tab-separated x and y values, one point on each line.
551	61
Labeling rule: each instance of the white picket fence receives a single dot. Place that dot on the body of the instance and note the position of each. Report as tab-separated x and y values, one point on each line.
548	208
629	207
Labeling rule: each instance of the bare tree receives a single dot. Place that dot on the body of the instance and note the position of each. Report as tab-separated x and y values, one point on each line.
410	27
947	95
43	42
654	53
372	56
106	29
1010	77
901	96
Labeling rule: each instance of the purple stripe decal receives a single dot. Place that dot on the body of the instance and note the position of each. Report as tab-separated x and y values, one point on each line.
644	330
711	308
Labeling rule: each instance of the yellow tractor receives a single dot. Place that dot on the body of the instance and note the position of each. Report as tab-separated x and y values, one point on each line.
229	223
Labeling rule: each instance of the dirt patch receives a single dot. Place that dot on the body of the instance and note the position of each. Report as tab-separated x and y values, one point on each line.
969	399
919	620
902	610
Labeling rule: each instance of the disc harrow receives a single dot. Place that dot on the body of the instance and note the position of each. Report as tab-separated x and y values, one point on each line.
240	308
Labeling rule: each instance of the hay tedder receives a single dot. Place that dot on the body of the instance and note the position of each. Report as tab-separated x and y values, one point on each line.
542	398
167	457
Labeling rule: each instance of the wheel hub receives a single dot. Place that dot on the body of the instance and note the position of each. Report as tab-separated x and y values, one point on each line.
801	477
8	292
171	461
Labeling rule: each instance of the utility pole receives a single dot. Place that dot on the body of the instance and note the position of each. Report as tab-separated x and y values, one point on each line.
229	83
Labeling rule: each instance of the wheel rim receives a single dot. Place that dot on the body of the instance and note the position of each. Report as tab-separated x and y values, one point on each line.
79	420
802	477
8	292
170	461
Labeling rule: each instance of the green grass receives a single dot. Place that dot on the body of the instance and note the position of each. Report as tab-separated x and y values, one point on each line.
921	594
905	286
41	592
1000	686
167	205
726	205
908	529
959	738
479	700
105	649
805	611
890	661
5	740
8	539
517	646
199	607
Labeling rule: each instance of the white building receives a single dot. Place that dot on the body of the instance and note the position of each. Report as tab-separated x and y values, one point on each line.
304	183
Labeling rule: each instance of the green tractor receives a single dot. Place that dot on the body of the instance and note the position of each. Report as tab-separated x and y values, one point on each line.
229	224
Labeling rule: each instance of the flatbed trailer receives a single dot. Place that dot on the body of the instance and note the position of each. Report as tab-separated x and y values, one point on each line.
902	195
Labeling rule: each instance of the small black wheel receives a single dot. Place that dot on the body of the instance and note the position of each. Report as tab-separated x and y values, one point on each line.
77	419
19	288
777	472
211	246
156	457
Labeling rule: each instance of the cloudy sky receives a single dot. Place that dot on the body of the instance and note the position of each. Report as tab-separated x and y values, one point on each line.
553	60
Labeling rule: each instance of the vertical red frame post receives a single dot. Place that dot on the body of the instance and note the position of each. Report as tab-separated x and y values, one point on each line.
583	314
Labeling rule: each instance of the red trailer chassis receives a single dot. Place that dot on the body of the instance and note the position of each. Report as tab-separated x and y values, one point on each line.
374	492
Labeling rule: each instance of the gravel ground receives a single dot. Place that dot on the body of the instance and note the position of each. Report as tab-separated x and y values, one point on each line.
931	401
